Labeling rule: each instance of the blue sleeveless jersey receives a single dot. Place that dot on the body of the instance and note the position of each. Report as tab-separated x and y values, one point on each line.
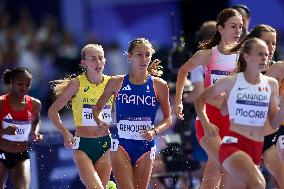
136	104
136	108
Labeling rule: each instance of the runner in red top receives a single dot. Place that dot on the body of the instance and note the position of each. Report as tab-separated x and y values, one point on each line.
19	116
218	63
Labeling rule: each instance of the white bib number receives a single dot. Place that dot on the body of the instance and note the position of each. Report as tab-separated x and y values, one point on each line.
132	129
88	118
281	142
76	143
22	131
114	145
216	75
229	140
153	153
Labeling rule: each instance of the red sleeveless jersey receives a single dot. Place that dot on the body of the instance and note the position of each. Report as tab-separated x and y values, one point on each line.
8	113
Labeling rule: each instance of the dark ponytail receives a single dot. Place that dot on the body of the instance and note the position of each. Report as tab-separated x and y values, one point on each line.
10	75
211	43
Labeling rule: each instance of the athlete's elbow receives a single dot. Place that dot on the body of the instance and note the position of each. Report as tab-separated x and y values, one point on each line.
50	112
199	103
169	121
183	71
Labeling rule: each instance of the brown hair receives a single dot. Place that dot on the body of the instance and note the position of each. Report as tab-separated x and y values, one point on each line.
246	47
59	85
255	32
207	30
154	68
221	20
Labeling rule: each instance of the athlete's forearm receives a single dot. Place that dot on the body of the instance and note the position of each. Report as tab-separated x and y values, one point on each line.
55	118
181	79
278	118
200	110
96	112
164	125
35	126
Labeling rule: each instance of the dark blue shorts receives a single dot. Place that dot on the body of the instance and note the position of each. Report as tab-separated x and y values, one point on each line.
134	148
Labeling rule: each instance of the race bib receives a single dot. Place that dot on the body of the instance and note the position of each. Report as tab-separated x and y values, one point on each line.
153	152
114	145
88	118
131	128
281	142
22	131
229	140
217	74
76	143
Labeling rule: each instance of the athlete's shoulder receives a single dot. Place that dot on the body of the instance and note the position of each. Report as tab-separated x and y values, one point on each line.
203	52
276	69
35	101
279	65
116	78
202	56
36	104
160	85
159	80
271	80
114	84
106	76
74	82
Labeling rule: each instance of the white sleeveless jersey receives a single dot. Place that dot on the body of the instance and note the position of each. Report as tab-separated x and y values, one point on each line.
248	104
219	66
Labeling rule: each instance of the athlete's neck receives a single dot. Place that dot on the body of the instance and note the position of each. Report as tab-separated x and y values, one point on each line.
95	78
138	77
223	47
252	77
13	97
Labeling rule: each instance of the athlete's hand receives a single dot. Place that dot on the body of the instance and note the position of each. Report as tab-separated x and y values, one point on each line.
10	130
148	134
37	137
103	128
178	111
211	130
68	139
